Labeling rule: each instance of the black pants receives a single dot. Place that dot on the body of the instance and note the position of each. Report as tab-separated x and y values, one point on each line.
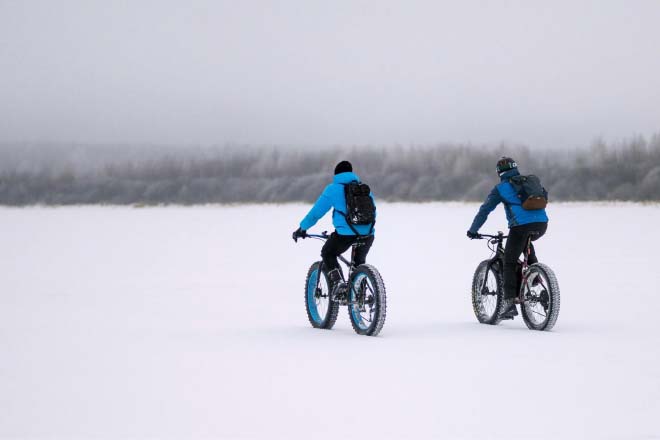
515	245
338	244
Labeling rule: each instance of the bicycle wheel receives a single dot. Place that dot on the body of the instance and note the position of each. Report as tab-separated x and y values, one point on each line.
540	308
487	292
321	311
367	301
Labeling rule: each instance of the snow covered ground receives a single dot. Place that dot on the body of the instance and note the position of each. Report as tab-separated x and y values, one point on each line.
189	323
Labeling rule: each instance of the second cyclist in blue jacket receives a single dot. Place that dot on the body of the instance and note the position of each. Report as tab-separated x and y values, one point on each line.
345	235
523	223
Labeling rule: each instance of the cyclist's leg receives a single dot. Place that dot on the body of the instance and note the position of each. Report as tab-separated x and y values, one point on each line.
333	247
362	249
539	229
515	245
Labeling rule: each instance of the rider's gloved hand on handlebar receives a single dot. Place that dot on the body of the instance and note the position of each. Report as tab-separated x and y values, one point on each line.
472	235
298	233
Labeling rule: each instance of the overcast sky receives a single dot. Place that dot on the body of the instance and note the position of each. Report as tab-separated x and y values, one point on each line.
544	73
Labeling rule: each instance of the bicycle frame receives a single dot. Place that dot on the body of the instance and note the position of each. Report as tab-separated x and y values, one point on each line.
349	264
499	256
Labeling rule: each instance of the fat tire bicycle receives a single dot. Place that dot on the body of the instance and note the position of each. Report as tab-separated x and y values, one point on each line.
365	295
538	292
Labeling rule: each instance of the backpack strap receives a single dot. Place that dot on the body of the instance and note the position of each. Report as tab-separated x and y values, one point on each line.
351	226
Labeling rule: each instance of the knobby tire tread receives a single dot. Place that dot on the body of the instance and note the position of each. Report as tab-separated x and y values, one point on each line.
555	299
333	307
476	293
381	310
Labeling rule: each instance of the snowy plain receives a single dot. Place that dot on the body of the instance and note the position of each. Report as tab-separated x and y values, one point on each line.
176	322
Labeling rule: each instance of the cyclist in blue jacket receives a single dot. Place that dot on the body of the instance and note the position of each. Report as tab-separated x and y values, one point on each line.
523	223
345	235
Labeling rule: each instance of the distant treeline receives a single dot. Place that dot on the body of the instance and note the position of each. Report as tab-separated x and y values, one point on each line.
78	174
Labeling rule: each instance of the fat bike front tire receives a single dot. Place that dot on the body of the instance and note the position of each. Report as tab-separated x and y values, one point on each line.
541	300
321	310
487	292
367	301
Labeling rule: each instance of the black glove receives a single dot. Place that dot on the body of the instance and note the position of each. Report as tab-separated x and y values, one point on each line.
298	233
472	235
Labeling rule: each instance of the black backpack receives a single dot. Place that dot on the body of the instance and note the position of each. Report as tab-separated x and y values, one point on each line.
529	190
360	207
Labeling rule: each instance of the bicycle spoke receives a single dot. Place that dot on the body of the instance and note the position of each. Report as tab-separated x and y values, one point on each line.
363	318
540	314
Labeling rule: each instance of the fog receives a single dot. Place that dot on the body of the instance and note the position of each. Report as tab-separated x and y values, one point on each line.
546	74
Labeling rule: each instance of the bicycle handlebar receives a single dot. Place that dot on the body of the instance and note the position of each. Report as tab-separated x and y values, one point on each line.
322	236
488	236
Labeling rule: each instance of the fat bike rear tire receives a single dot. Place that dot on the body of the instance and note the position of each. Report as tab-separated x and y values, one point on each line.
540	308
321	310
367	301
487	297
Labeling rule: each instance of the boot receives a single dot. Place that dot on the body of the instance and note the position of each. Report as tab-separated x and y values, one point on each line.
508	309
337	286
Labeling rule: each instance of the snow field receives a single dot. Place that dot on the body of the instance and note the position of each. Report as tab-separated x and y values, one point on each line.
190	323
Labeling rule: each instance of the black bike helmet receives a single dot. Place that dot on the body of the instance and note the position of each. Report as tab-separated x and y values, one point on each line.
505	164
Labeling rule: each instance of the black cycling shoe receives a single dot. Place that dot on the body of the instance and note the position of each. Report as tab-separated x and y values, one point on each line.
338	287
509	310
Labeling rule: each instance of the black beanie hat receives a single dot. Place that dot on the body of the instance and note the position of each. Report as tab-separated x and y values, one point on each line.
343	167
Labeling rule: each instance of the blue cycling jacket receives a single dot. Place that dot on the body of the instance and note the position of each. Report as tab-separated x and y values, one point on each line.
333	197
504	193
